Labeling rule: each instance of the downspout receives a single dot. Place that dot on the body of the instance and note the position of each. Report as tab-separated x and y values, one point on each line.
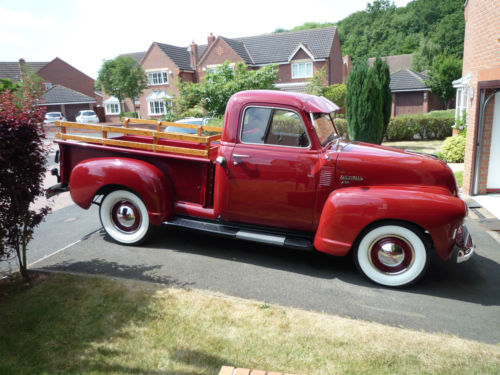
482	107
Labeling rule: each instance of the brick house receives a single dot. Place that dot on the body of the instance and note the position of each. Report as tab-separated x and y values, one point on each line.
299	55
410	93
478	93
78	86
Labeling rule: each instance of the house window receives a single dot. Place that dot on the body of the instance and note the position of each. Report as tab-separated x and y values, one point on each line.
112	108
302	70
462	104
157	107
48	85
158	78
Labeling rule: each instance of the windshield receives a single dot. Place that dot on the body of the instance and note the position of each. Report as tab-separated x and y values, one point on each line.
324	127
88	113
53	114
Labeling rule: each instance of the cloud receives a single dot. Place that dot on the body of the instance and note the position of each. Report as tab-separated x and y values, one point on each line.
22	19
12	39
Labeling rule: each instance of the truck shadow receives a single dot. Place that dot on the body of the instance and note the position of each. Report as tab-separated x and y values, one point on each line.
475	281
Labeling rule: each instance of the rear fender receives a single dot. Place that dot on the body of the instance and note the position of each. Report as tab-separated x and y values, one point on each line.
347	212
94	175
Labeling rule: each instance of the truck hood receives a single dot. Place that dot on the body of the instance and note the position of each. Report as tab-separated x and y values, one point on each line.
361	164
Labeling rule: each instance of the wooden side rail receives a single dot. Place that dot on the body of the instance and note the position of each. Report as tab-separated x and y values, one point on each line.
159	124
155	134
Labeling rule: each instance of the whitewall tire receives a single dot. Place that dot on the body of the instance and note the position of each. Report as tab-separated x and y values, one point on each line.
124	217
392	255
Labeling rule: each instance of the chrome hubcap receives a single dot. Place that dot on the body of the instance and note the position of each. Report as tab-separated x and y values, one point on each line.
126	216
391	254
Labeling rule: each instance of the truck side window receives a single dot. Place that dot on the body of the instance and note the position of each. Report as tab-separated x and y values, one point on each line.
274	126
255	124
287	129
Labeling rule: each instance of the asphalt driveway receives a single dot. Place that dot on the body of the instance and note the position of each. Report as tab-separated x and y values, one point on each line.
462	300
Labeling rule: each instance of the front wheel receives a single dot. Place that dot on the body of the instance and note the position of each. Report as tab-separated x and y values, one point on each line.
392	255
124	217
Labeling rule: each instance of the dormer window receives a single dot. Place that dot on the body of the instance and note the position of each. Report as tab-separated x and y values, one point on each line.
302	69
158	78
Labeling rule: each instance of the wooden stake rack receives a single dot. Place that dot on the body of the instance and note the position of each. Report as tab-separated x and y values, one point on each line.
155	134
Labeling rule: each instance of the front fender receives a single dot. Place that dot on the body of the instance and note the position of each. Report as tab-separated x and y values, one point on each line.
348	211
146	180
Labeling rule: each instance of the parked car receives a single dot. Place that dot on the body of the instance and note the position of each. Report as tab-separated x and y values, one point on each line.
280	175
189	120
51	117
87	117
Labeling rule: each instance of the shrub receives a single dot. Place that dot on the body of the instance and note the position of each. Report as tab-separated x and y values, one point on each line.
341	125
453	149
128	115
22	171
422	126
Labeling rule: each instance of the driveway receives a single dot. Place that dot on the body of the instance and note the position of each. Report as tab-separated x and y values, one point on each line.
462	300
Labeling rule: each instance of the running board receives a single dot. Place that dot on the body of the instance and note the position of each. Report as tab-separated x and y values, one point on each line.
283	240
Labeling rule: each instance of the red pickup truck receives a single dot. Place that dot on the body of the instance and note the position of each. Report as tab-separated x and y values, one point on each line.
278	174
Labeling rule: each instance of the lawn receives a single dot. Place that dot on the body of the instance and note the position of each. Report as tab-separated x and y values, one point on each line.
82	325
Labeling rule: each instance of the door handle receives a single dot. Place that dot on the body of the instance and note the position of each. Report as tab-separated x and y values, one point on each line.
239	156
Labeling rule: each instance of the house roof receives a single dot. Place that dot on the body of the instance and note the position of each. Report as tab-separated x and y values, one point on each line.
239	48
137	56
179	55
58	94
408	80
395	62
12	70
275	48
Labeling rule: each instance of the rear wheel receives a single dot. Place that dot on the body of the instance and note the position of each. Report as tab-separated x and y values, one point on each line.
124	217
392	255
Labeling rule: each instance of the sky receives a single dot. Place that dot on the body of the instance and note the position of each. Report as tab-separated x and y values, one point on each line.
85	32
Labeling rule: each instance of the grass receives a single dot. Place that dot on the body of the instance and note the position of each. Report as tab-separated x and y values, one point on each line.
79	325
459	176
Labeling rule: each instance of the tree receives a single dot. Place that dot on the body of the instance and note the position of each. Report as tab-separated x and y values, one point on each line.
22	170
336	93
317	84
215	89
122	78
444	71
365	118
383	74
422	60
7	84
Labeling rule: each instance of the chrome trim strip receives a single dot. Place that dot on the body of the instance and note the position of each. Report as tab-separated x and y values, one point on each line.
264	238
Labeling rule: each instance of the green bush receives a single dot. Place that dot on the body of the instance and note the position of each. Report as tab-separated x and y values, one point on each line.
407	128
453	150
341	125
424	126
128	115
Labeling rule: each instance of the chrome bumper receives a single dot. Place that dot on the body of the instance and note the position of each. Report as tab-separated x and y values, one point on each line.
464	247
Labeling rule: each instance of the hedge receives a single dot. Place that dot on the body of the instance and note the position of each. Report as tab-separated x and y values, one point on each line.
410	127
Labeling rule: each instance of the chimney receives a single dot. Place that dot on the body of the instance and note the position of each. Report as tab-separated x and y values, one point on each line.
193	54
22	64
211	39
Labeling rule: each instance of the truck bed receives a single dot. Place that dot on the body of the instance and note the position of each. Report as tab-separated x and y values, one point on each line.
187	160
